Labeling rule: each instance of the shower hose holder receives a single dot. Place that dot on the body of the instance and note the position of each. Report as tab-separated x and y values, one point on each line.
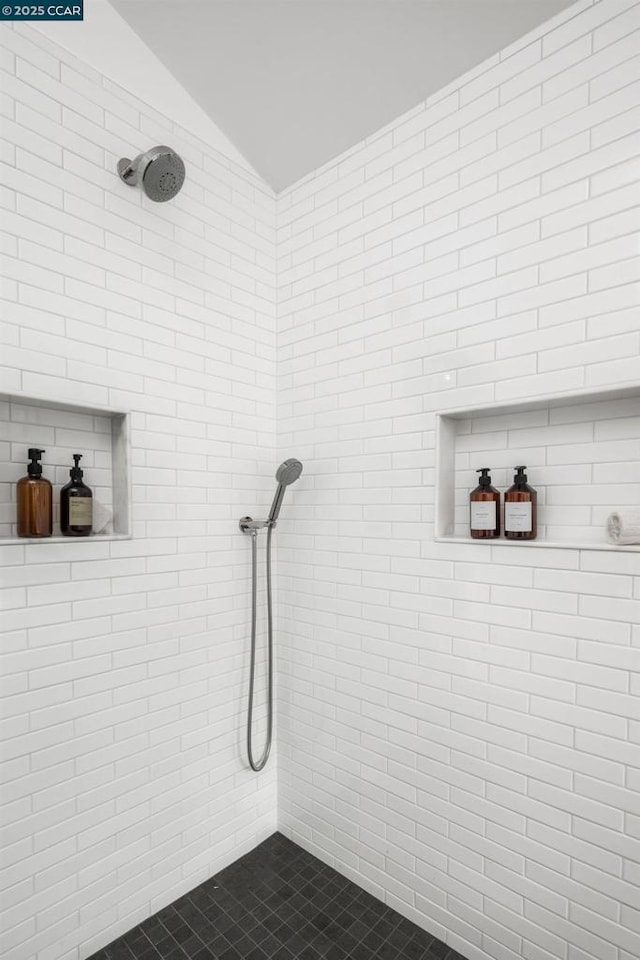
250	527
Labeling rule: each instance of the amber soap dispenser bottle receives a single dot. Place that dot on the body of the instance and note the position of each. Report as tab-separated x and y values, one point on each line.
76	504
35	500
520	509
485	508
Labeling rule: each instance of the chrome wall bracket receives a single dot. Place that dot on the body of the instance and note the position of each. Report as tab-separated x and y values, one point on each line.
250	527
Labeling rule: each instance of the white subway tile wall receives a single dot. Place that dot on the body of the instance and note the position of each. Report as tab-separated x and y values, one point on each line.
125	663
459	729
459	725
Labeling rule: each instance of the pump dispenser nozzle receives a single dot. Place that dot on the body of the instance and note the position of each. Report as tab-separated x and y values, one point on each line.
34	469
485	477
520	475
76	473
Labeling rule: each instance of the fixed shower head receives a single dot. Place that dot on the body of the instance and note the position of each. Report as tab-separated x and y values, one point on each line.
288	472
160	171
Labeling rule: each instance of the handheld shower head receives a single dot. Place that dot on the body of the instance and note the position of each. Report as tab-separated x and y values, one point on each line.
288	472
160	172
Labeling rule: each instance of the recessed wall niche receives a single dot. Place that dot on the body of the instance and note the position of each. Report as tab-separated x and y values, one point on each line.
582	453
62	429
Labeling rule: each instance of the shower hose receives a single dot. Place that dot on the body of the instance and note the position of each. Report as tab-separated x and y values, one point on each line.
258	765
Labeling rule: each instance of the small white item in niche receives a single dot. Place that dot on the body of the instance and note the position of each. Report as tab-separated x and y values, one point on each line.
102	517
624	528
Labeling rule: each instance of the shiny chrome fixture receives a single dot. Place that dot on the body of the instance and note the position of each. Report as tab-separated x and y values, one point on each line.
160	172
287	473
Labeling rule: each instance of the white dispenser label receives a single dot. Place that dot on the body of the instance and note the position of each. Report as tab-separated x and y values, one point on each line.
517	516
483	515
80	511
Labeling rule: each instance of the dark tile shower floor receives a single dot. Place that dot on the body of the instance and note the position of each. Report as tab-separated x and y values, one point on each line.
277	903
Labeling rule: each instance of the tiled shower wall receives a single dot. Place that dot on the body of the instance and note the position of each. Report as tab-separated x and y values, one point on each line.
460	724
125	662
461	736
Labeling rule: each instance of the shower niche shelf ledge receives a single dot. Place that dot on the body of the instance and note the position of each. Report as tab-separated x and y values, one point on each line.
62	428
582	452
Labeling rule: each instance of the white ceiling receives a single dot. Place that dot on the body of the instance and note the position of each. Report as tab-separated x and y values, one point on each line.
293	83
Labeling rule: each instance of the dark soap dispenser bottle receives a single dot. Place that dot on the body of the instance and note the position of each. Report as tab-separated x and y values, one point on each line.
35	500
485	508
76	504
520	509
